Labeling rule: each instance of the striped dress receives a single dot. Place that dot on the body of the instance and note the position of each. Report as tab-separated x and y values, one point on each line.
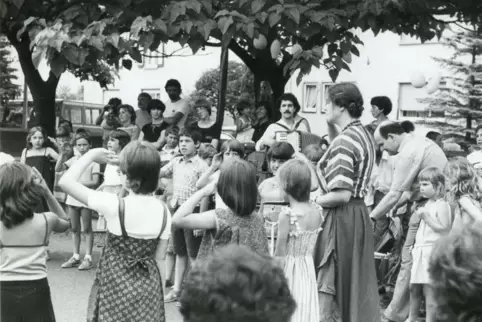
350	282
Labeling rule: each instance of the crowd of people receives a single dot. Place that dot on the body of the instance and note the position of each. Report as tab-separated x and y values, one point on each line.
189	219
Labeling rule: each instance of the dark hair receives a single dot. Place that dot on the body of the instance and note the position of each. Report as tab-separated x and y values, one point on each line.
131	111
236	284
455	269
382	103
173	83
203	103
389	127
19	195
191	133
295	179
31	133
141	164
146	95
314	152
407	126
432	135
233	145
64	122
155	104
478	128
174	130
62	132
242	105
436	177
289	97
237	186
281	151
267	107
82	135
81	130
115	103
121	135
347	95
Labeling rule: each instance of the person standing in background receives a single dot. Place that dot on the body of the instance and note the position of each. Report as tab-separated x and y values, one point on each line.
143	116
381	107
177	108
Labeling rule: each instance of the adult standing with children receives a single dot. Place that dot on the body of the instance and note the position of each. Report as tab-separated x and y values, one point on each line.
413	154
347	280
177	108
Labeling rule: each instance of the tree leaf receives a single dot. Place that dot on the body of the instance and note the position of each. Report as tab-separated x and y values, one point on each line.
136	54
355	51
318	51
71	53
333	74
127	64
58	65
97	42
257	5
188	26
224	23
208	27
345	66
195	45
295	14
113	39
207	5
274	18
221	13
177	11
26	23
250	30
37	56
263	16
194	5
139	24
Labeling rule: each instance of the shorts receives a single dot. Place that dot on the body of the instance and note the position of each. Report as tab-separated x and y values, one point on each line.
184	242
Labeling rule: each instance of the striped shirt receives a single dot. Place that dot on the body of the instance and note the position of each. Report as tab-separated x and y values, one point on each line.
348	162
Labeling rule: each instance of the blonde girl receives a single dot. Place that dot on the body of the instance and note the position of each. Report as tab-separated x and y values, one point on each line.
435	222
464	192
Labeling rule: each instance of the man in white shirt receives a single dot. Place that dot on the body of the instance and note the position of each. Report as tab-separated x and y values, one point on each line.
289	121
142	115
177	108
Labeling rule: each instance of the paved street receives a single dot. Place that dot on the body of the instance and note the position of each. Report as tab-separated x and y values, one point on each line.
70	287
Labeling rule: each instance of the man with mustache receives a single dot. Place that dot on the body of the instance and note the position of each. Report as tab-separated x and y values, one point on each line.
290	121
177	108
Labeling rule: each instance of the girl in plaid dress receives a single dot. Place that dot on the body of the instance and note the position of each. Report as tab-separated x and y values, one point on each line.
128	283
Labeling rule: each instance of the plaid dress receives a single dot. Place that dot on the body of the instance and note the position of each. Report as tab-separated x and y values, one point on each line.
128	285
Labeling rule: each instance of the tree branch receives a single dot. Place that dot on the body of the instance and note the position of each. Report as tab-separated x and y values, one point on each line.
249	61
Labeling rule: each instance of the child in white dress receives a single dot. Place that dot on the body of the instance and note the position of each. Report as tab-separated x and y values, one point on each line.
436	221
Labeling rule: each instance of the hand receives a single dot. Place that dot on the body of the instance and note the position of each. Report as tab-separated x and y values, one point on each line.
217	161
102	156
66	148
209	189
39	180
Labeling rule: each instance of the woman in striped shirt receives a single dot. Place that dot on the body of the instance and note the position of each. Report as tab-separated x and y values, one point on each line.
347	280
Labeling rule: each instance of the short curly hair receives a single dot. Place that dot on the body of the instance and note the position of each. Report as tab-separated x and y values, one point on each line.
18	194
236	284
456	273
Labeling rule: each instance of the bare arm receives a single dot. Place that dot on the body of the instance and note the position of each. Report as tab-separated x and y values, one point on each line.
161	141
60	164
334	198
94	183
160	257
468	206
174	119
441	222
386	204
52	154
205	178
283	231
185	218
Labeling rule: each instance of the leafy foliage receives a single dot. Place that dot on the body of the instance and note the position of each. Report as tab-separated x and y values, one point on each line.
8	89
461	98
240	82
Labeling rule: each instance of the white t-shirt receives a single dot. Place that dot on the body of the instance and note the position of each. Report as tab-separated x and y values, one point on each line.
179	106
143	214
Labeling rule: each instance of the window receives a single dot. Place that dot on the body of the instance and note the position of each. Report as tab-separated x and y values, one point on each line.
409	104
153	59
76	116
110	93
154	92
311	94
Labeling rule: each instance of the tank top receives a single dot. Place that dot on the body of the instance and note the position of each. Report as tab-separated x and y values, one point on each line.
24	262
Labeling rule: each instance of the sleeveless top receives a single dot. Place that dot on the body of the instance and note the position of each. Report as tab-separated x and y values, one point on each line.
207	133
24	262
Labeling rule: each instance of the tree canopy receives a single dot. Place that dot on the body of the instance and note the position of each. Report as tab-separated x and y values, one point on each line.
8	89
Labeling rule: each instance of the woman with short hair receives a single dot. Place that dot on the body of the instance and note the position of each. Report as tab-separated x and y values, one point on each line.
127	119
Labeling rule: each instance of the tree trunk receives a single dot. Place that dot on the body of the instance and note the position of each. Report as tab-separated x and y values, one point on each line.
278	88
223	84
43	92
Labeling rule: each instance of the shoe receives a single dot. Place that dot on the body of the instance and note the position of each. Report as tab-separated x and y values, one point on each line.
72	262
86	265
172	296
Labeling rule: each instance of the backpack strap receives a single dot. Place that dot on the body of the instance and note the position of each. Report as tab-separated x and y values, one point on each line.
122	216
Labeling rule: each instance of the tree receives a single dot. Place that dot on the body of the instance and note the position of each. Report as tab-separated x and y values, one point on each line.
65	92
85	36
81	36
8	89
461	98
240	80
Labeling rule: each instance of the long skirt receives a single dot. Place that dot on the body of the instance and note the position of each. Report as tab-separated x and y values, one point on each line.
347	281
26	301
